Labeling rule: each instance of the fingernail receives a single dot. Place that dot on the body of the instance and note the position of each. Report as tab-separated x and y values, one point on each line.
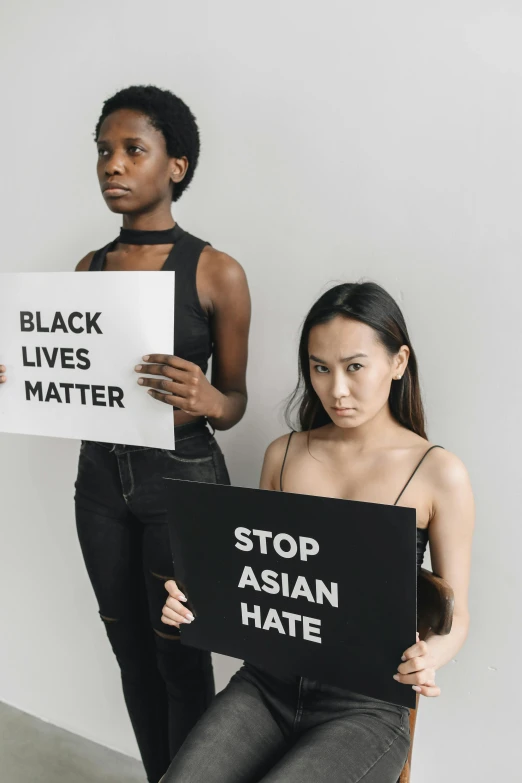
189	616
181	597
146	358
149	391
403	657
395	676
140	381
138	368
416	688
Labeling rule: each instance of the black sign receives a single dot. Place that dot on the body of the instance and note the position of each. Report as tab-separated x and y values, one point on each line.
313	586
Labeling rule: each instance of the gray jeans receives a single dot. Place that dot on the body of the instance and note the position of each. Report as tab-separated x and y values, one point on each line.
292	730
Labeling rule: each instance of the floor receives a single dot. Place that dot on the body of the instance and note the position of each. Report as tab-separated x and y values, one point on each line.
32	750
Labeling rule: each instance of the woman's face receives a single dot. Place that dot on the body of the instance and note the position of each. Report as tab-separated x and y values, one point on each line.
351	371
134	169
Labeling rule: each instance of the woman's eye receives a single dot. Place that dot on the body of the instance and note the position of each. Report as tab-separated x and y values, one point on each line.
320	368
101	153
135	150
354	367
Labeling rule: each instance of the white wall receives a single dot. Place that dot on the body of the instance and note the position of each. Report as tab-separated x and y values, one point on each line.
340	139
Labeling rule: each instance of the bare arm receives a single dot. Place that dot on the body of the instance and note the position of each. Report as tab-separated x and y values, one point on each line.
230	328
222	401
450	533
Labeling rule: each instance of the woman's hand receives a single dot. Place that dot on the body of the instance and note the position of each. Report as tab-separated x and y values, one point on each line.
2	375
418	670
174	613
185	383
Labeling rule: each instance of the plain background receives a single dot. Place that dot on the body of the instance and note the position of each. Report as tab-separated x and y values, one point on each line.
341	140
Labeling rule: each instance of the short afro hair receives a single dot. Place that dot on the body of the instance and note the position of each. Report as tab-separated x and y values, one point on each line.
168	114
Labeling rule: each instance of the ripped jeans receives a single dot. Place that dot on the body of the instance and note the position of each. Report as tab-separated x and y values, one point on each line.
122	527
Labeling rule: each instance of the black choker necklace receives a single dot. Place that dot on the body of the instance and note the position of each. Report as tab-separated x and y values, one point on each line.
167	236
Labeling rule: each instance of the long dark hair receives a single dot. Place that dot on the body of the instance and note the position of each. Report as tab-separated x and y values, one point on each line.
372	305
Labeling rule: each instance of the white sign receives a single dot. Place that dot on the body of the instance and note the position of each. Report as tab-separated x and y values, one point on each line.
70	342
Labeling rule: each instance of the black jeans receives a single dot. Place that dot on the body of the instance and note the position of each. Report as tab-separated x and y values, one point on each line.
122	526
293	730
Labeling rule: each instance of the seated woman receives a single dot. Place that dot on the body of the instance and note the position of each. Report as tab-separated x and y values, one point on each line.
361	437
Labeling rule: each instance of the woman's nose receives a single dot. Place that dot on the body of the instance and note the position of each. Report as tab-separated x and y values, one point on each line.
340	387
113	165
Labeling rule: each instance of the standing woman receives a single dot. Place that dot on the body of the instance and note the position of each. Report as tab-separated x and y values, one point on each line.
148	147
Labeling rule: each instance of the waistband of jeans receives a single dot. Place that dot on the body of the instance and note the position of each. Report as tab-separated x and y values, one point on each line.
188	429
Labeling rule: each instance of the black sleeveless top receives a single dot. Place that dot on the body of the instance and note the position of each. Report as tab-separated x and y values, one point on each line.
192	335
422	533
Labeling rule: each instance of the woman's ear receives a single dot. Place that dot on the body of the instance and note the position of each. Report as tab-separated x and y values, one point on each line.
401	362
178	169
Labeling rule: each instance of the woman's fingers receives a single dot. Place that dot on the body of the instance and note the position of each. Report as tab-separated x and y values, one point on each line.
423	677
418	669
171	617
162	384
167	620
2	376
422	682
171	399
416	664
182	384
174	612
165	358
165	370
427	690
173	590
415	651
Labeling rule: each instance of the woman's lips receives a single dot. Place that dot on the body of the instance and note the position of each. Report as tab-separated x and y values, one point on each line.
343	411
115	192
114	189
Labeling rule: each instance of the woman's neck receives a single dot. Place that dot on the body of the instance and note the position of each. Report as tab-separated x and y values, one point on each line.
159	220
373	434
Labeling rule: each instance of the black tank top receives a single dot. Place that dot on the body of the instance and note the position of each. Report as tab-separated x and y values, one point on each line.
422	533
192	335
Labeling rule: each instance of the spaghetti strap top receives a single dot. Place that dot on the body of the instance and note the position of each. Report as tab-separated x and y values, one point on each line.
422	533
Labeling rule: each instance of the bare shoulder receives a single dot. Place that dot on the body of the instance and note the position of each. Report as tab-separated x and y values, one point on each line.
273	461
275	451
446	471
84	264
450	484
221	268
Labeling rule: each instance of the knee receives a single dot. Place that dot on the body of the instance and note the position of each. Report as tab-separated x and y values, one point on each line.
129	645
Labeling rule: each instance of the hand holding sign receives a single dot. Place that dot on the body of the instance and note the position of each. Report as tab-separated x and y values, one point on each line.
174	612
418	670
186	385
2	376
